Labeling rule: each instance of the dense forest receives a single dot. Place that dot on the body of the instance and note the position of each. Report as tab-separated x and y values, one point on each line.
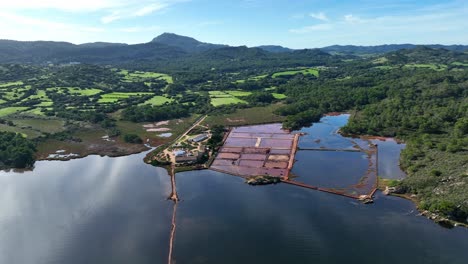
16	151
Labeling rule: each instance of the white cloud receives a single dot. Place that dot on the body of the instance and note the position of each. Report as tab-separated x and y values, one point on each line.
352	19
307	29
111	10
444	25
319	16
111	17
64	5
26	28
146	10
140	9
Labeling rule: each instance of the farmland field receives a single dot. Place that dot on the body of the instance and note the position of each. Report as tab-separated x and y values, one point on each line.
114	97
2	85
221	98
279	96
254	78
43	125
36	111
158	100
248	116
310	71
11	110
457	63
436	67
217	101
239	93
139	75
84	92
25	132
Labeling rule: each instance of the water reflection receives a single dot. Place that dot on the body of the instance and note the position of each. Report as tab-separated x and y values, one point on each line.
389	159
94	205
222	220
114	210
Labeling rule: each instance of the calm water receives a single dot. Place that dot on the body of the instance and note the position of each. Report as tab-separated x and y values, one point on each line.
114	210
389	159
330	169
92	210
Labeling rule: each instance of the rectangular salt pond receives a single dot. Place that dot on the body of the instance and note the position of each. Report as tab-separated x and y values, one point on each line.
256	150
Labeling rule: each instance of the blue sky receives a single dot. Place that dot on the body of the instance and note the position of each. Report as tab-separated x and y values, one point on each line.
295	24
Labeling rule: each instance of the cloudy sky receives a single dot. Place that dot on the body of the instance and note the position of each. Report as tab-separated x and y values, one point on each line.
295	24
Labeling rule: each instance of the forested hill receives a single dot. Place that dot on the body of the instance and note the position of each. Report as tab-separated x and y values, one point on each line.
369	50
167	47
423	54
187	44
40	52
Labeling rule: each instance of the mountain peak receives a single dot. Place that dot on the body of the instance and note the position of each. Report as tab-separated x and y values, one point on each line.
187	44
171	38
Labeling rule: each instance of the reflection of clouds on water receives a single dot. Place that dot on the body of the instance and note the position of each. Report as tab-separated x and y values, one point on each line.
244	223
44	213
389	159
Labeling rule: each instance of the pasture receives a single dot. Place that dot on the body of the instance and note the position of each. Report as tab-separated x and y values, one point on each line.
458	63
279	96
435	67
221	98
11	110
142	76
158	100
247	116
9	84
116	96
309	71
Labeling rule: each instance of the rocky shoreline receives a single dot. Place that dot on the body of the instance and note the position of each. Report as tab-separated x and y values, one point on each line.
441	220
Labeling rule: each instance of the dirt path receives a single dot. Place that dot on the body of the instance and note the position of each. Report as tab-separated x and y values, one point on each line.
174	196
172	235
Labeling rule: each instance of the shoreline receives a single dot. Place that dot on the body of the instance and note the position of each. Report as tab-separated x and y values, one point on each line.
106	153
101	154
436	218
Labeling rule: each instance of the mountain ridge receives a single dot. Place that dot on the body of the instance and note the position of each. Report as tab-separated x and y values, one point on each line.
171	46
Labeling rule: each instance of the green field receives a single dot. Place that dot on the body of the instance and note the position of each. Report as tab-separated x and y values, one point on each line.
239	93
385	67
458	63
43	125
226	101
84	92
221	98
36	111
248	116
310	71
2	101
25	132
12	94
11	110
158	100
279	96
139	76
2	85
114	97
45	104
436	67
254	78
380	60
